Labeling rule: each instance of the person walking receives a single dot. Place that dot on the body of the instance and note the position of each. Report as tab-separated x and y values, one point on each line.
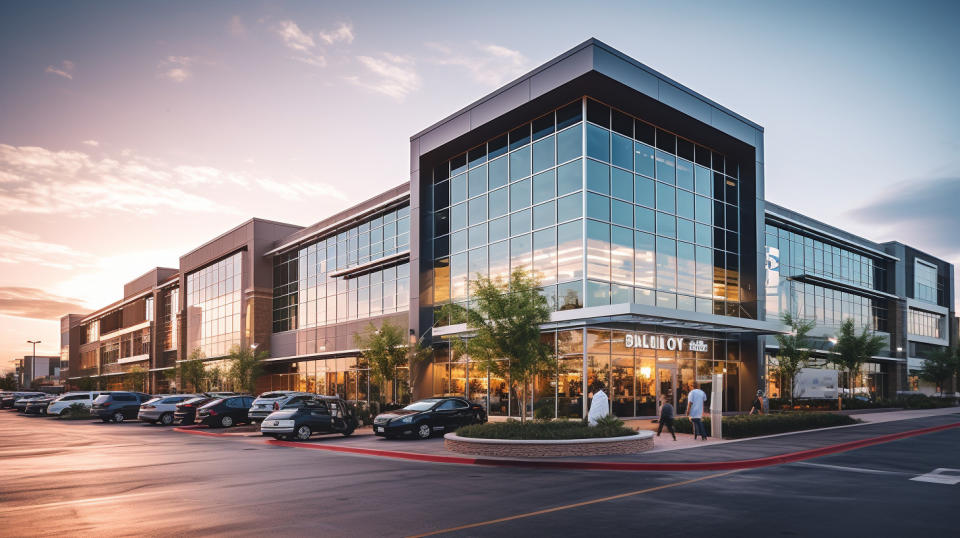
695	401
666	418
599	405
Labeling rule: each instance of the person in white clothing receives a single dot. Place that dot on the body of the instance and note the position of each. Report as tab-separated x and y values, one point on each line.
599	405
695	402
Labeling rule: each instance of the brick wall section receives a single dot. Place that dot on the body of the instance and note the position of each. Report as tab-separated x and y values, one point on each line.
549	450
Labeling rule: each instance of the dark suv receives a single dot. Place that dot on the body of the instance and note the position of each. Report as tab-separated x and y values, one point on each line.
225	412
118	406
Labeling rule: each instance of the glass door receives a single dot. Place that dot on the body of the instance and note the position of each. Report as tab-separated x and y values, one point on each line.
666	387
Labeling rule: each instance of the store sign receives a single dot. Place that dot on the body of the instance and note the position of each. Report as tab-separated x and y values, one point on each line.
668	343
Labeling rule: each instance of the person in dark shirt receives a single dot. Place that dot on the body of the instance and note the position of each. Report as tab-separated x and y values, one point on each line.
757	406
666	417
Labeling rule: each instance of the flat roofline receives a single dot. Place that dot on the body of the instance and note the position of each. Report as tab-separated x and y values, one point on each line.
588	43
237	227
826	234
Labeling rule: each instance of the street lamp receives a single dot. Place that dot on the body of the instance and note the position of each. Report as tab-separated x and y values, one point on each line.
33	361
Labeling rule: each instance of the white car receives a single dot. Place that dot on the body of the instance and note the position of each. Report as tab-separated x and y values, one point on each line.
62	404
268	402
161	409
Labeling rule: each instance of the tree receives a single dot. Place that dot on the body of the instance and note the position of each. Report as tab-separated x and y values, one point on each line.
87	383
386	349
192	370
794	350
136	379
245	366
9	381
852	349
940	366
506	319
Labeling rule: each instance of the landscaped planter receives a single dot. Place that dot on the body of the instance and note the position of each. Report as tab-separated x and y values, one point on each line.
511	448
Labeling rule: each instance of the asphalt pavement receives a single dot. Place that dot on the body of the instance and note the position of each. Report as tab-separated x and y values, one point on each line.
83	478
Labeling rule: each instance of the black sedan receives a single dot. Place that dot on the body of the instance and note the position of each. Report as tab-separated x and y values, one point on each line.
423	418
300	420
186	412
38	406
225	412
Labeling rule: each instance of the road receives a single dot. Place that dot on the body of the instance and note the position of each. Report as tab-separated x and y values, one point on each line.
90	478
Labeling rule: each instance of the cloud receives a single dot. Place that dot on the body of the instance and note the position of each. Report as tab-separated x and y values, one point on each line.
65	70
41	181
344	32
37	304
489	64
175	68
17	247
923	213
236	27
391	75
293	37
92	143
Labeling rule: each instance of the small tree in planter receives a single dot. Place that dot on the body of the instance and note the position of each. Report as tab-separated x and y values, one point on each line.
794	351
852	349
136	379
191	371
506	319
386	349
940	366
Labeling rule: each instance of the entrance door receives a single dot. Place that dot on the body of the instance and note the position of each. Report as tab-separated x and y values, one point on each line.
666	387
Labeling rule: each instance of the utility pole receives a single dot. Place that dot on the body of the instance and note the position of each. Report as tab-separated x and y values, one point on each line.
33	360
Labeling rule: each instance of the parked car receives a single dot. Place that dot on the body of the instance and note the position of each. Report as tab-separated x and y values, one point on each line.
62	404
10	398
161	409
118	406
20	403
38	406
425	417
186	412
301	418
220	394
274	400
225	412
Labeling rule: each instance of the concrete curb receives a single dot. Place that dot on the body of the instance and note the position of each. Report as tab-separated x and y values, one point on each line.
626	466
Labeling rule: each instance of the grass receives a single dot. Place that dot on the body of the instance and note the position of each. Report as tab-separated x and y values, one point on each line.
742	426
544	430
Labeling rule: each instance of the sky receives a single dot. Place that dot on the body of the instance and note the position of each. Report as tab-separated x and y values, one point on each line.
132	132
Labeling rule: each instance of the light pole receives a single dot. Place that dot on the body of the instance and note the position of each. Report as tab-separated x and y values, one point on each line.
33	360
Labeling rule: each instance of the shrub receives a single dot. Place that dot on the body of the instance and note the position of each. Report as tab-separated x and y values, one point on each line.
909	401
76	411
547	429
741	426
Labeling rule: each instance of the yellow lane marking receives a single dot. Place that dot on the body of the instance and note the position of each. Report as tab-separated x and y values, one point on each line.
575	505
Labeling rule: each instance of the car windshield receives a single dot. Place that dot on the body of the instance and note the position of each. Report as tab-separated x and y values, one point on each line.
212	403
152	400
195	400
102	398
422	405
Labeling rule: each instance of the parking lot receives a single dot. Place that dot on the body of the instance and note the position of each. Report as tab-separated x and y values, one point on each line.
80	477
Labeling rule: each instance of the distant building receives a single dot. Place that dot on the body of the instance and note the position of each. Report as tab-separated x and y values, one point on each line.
43	370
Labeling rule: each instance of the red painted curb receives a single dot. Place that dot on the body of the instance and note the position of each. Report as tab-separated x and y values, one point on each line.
188	429
625	466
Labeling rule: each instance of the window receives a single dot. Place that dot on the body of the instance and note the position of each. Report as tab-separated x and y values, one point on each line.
925	282
922	323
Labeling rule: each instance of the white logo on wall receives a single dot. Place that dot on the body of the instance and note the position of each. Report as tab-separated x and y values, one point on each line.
669	343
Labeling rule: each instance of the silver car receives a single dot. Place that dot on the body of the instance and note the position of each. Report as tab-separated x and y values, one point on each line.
160	409
268	402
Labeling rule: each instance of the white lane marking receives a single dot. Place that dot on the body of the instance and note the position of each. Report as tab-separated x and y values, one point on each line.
91	500
941	475
851	469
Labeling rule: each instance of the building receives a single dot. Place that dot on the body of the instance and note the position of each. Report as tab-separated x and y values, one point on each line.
38	371
638	202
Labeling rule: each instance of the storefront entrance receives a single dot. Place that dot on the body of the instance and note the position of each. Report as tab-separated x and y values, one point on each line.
666	387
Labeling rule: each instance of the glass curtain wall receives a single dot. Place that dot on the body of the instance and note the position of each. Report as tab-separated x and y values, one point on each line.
214	306
661	226
347	377
307	294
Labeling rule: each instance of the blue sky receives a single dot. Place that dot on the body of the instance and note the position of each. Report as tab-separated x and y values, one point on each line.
133	131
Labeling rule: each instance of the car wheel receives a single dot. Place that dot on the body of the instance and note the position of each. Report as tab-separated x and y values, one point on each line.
423	431
166	419
65	413
226	421
303	432
107	419
277	436
348	433
118	417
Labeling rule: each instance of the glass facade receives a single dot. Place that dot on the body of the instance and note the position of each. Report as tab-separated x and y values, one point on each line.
923	323
925	282
802	255
169	319
604	211
308	293
346	377
634	378
214	306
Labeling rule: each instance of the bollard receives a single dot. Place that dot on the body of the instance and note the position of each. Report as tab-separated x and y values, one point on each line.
716	407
